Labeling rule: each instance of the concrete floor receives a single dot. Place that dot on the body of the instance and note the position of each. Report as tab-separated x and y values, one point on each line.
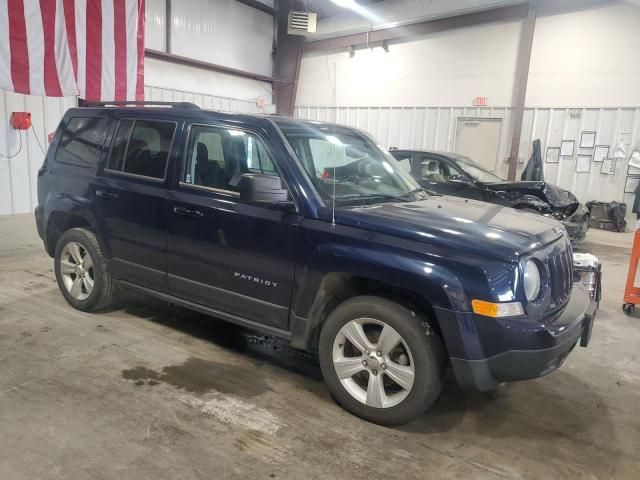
149	391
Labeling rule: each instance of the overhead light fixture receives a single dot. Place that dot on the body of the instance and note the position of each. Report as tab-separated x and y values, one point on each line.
345	3
359	9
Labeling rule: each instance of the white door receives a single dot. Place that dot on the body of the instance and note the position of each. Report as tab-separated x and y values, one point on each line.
479	139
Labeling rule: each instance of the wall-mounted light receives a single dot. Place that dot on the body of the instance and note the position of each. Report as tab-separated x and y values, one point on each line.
21	120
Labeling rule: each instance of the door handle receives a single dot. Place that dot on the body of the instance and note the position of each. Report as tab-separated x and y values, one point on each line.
106	195
185	212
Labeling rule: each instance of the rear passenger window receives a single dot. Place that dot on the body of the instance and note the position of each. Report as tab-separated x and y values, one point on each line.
81	141
141	147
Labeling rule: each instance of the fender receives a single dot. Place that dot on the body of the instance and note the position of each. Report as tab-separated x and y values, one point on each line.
400	268
76	206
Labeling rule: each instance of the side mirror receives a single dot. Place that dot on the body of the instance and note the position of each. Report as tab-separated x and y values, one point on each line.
459	179
258	188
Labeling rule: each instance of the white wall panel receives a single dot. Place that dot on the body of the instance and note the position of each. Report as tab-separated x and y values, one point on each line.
586	58
449	68
433	128
583	58
203	100
223	32
170	75
155	21
18	175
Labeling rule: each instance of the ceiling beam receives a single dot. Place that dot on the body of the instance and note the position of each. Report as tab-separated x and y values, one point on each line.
258	5
192	62
494	15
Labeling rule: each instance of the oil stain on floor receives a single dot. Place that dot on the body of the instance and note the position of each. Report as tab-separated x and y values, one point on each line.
197	375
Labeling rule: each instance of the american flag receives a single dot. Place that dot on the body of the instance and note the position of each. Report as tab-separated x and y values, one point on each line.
90	48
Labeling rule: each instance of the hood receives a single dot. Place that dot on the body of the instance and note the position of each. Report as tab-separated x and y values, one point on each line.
458	224
552	194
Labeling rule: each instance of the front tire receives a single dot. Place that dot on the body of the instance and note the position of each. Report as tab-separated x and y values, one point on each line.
380	361
81	271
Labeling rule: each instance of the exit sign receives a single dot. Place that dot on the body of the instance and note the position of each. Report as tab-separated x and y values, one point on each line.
480	101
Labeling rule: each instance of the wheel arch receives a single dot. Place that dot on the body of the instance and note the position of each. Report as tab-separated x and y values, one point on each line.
59	222
421	288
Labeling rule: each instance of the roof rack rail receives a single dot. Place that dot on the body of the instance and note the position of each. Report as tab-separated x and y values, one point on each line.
138	103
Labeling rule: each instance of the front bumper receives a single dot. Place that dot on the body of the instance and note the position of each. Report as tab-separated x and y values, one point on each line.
577	224
529	352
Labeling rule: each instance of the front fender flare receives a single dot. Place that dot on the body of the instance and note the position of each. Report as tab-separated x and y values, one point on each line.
431	281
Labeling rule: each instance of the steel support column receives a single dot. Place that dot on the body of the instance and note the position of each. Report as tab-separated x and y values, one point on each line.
520	86
287	60
167	26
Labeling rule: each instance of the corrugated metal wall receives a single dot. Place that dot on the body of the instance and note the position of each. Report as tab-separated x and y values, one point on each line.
18	174
434	128
209	102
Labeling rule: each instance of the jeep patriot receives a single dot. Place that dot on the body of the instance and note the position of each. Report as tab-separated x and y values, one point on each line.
311	232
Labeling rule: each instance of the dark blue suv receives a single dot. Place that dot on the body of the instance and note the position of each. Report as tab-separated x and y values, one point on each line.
311	232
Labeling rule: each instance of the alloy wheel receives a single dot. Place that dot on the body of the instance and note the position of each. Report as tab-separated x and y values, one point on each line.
373	362
76	267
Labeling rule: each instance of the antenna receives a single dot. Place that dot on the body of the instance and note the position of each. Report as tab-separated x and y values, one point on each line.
333	148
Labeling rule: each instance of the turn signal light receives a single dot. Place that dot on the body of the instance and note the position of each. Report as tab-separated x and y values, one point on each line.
495	310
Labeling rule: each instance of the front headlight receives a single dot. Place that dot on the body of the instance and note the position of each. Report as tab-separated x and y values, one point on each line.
531	280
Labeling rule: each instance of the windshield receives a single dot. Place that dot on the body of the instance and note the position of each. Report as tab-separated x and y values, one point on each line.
476	171
345	164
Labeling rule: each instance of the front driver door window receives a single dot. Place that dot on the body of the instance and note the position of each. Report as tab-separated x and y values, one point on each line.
442	176
434	174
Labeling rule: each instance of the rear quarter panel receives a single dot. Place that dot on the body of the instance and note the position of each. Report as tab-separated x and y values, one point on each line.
64	188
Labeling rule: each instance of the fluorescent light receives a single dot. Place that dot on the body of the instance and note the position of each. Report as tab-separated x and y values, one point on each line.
345	3
359	9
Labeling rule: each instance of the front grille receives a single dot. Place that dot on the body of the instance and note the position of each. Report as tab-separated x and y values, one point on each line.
561	276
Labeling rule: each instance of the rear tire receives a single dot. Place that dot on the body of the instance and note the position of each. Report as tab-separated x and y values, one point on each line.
381	362
81	271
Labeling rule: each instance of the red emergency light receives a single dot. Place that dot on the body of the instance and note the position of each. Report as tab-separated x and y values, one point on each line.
21	120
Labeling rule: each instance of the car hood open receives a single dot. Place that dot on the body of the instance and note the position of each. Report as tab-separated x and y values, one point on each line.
458	223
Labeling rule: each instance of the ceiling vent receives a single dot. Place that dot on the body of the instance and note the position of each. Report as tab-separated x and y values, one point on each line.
301	23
